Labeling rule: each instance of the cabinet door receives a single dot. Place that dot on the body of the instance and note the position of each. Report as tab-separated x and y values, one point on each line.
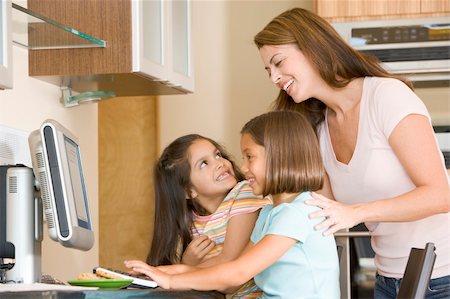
5	45
435	6
162	42
149	39
181	72
351	9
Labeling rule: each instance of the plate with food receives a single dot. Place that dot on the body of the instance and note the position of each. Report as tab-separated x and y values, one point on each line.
93	280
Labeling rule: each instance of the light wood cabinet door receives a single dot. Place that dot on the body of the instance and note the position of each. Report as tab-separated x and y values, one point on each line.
435	6
347	10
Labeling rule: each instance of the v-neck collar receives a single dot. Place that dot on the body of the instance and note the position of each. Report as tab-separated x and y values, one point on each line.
360	116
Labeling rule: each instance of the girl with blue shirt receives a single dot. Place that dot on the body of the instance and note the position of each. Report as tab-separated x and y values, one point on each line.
287	257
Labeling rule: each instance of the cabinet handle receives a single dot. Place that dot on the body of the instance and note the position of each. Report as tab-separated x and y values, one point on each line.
172	85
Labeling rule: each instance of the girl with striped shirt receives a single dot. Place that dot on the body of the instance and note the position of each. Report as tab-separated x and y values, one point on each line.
205	211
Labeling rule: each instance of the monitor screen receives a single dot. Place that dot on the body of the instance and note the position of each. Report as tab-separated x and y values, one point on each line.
57	164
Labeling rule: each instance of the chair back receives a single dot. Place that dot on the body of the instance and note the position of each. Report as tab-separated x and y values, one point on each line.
417	275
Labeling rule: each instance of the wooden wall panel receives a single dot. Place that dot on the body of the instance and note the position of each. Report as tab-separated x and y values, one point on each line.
127	151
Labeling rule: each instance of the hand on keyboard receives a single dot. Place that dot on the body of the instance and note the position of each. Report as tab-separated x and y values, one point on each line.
138	281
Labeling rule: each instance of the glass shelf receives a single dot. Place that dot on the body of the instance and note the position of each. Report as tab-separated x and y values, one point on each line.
35	31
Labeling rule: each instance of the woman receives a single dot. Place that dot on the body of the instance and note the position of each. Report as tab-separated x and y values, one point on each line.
377	143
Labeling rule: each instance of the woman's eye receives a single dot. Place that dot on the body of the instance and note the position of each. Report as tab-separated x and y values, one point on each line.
278	63
203	164
218	155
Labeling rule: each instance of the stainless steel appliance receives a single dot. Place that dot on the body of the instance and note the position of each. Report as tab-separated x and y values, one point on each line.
417	48
443	138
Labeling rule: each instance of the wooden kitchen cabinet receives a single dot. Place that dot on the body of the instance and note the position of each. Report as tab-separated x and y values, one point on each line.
435	6
146	53
347	10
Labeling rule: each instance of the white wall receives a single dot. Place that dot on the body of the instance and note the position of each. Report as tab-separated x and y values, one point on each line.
24	107
231	85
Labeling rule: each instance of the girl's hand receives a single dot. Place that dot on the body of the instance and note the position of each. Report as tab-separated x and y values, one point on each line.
157	275
337	215
197	250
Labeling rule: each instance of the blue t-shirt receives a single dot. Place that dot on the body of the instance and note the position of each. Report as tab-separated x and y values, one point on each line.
310	268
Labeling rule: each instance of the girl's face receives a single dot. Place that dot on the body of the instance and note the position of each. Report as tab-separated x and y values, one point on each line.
254	163
212	176
291	71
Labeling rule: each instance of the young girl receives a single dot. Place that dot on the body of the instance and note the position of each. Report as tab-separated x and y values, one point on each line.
201	209
286	255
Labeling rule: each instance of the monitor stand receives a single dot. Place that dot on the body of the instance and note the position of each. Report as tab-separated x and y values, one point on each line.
23	225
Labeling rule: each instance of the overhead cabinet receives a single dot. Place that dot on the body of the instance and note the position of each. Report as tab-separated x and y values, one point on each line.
346	10
148	47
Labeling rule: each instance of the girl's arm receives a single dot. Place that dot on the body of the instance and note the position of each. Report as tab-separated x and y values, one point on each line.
414	143
239	229
223	276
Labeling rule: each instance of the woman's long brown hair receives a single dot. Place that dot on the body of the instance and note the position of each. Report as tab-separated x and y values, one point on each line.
336	61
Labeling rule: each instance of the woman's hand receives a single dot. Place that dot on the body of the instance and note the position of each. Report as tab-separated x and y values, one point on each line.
337	215
155	273
197	250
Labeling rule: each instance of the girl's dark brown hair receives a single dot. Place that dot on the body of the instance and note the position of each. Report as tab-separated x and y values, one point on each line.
173	211
336	61
293	159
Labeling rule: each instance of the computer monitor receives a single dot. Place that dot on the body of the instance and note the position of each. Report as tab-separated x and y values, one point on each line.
57	165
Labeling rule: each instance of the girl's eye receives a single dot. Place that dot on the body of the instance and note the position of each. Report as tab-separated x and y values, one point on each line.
203	164
278	63
218	155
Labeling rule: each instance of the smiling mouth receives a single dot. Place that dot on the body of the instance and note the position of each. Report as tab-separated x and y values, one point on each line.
289	83
223	176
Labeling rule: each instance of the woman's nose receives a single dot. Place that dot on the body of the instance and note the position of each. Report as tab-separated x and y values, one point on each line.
275	77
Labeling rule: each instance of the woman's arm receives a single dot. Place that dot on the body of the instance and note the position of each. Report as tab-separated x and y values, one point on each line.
239	229
223	276
414	143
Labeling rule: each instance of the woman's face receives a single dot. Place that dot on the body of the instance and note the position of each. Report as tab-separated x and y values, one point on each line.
291	71
212	176
254	163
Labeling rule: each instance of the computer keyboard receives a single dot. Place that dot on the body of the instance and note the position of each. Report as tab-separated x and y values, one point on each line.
138	281
46	278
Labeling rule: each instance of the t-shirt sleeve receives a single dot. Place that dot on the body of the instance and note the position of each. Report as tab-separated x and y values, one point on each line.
393	101
289	221
245	201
